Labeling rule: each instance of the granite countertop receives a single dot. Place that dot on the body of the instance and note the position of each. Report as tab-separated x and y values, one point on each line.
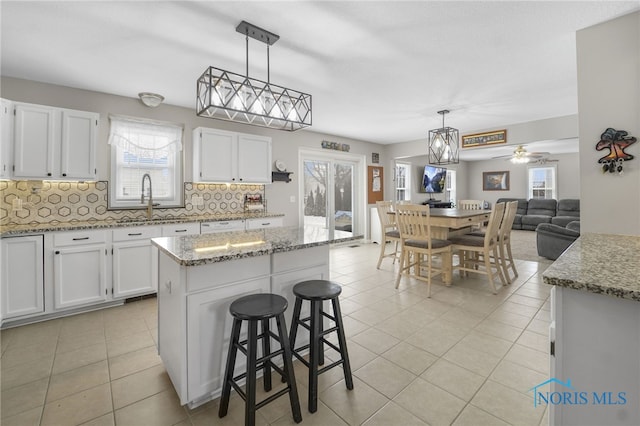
212	248
10	230
601	264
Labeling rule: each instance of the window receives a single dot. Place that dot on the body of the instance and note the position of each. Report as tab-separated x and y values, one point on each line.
542	182
403	181
144	146
450	184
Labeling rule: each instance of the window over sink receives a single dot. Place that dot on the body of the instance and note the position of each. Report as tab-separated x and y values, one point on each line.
139	147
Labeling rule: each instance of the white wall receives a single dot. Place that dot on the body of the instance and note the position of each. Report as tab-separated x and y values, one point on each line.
568	170
609	96
285	144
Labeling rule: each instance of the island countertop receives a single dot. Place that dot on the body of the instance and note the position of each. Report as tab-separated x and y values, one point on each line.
599	263
211	248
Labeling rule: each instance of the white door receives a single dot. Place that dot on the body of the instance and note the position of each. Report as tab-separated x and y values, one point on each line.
35	130
332	194
208	323
22	278
254	159
135	268
215	156
6	135
79	275
78	153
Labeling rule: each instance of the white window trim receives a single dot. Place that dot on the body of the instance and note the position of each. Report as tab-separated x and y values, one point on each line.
555	178
177	201
407	187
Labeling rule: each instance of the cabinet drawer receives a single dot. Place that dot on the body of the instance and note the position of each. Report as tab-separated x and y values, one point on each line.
78	237
136	233
268	222
179	229
221	226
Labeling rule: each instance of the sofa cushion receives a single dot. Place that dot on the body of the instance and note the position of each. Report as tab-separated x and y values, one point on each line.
542	207
568	207
522	204
531	221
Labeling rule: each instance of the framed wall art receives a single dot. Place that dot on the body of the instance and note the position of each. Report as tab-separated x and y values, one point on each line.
484	139
495	181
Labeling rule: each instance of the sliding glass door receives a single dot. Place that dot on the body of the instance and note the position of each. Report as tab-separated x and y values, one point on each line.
329	195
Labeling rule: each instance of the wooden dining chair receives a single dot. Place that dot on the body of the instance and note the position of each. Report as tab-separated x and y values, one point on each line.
470	204
389	229
504	240
417	247
475	251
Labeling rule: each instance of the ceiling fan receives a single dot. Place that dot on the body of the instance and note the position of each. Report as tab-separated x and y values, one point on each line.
521	156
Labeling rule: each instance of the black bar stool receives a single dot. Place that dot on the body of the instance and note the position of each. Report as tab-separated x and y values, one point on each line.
317	291
253	309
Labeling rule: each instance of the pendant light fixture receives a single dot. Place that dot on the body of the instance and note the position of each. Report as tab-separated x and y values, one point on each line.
229	96
443	144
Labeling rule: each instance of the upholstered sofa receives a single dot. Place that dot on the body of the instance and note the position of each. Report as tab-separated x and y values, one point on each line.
535	211
552	240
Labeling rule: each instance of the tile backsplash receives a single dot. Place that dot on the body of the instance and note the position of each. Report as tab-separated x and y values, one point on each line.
27	202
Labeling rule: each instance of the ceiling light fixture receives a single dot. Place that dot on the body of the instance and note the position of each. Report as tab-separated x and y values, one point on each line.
233	97
520	156
151	100
443	144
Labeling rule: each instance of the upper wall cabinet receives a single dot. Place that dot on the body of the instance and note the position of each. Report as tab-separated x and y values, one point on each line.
54	143
221	156
6	135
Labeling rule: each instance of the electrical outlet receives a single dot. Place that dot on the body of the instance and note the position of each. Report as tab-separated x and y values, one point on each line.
197	200
16	204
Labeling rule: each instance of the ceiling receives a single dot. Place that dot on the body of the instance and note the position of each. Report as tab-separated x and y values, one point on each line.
378	71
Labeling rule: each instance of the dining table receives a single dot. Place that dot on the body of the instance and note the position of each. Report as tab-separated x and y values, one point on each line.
448	222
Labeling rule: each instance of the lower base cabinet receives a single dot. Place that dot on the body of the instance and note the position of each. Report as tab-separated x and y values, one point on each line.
80	275
22	276
194	323
134	261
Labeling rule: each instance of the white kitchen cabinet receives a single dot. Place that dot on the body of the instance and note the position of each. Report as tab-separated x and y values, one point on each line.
221	226
54	143
22	276
262	223
79	268
135	261
209	331
6	138
180	229
221	156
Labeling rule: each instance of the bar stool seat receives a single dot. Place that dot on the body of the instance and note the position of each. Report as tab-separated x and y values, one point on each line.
259	308
316	292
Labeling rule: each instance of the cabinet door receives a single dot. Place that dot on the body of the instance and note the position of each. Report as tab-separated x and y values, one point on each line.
208	323
35	130
78	148
215	156
6	138
22	276
79	275
135	268
254	159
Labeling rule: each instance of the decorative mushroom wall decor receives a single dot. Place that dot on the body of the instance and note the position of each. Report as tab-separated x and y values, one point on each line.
616	141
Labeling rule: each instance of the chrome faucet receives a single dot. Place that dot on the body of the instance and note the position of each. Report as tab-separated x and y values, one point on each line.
150	203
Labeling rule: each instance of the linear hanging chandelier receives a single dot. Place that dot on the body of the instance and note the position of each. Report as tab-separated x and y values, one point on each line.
229	96
443	144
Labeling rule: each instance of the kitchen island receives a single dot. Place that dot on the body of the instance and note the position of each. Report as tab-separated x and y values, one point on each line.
199	276
595	333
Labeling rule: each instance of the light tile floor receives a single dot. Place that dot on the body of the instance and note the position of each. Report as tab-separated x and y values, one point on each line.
462	357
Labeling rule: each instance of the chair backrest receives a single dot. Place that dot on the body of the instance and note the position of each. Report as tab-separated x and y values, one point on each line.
510	211
384	208
495	218
470	204
414	222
